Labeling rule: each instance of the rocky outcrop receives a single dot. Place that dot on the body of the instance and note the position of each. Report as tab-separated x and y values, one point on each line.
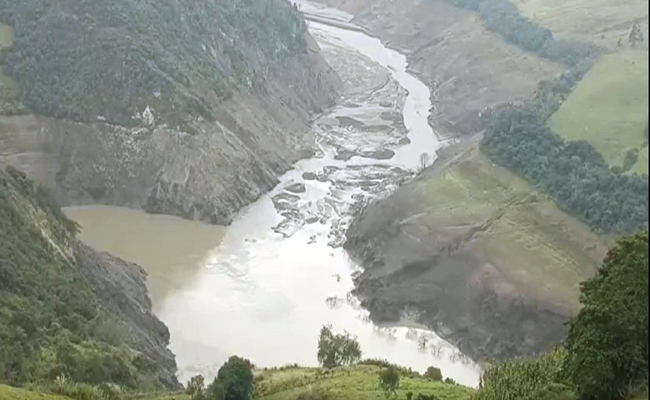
120	288
199	120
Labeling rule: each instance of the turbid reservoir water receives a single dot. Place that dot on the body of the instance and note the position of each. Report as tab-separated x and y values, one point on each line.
263	287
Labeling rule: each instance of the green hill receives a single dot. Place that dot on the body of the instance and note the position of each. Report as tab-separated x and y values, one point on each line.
609	109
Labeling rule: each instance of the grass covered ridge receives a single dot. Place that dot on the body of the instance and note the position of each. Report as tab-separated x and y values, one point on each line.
609	109
359	382
10	393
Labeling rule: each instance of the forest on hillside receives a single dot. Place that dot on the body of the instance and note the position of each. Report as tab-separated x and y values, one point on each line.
84	59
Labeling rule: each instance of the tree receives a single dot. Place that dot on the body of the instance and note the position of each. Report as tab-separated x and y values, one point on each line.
337	350
424	161
234	381
607	342
389	380
195	386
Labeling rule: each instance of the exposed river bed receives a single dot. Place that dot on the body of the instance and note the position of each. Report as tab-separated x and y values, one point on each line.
263	287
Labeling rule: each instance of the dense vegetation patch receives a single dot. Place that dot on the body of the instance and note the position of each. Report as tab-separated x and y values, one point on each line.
503	17
82	59
576	175
605	354
51	322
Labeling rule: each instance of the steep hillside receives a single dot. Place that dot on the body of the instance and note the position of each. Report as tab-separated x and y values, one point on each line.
189	108
488	262
66	309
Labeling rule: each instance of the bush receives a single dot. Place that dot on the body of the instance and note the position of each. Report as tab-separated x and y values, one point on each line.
520	379
234	381
79	391
434	374
389	380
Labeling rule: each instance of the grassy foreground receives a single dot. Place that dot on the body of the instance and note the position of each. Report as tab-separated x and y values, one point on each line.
609	109
9	393
353	383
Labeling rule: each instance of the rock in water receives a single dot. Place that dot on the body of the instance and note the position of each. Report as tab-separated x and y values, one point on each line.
296	188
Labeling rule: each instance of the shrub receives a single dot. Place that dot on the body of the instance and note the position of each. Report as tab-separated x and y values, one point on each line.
234	381
434	374
314	394
519	379
389	380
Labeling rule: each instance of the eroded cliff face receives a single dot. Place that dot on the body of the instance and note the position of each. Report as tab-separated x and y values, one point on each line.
199	126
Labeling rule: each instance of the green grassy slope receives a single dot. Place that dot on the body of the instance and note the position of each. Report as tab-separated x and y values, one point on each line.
355	383
600	22
9	393
609	108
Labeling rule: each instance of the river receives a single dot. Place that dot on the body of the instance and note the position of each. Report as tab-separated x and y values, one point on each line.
263	287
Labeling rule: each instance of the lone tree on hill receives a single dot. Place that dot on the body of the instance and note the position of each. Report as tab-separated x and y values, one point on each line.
337	350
